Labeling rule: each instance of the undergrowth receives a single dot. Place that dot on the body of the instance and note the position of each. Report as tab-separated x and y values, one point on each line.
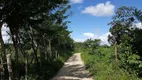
51	68
102	66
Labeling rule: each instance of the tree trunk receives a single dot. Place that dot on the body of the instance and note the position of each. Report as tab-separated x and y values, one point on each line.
41	59
1	69
15	43
3	54
26	67
116	54
35	49
56	52
49	47
9	66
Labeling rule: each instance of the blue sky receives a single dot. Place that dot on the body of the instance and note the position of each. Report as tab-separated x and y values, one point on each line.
90	18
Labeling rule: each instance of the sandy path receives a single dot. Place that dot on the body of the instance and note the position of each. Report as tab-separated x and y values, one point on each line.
73	69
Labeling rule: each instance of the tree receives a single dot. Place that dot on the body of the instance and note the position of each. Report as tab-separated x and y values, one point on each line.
34	30
91	44
126	36
121	24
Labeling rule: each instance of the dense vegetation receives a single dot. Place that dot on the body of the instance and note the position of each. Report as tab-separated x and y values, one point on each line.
39	39
40	42
122	60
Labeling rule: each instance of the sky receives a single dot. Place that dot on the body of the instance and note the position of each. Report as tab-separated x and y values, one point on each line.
90	18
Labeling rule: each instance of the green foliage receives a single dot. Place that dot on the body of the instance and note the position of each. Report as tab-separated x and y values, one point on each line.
39	35
100	60
29	78
103	67
127	36
78	46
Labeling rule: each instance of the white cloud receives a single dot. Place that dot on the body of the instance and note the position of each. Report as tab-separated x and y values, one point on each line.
103	37
89	35
76	1
79	40
6	39
100	9
137	25
5	35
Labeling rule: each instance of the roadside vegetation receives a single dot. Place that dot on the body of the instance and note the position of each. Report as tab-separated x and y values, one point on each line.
122	59
39	40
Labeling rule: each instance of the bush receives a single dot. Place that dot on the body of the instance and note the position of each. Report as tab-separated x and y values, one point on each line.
103	67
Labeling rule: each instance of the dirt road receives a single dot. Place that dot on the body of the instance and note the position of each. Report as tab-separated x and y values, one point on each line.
73	69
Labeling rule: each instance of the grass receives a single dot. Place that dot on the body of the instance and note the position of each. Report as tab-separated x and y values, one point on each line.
102	66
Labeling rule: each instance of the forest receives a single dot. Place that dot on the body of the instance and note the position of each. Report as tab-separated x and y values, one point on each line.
40	42
39	38
122	59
